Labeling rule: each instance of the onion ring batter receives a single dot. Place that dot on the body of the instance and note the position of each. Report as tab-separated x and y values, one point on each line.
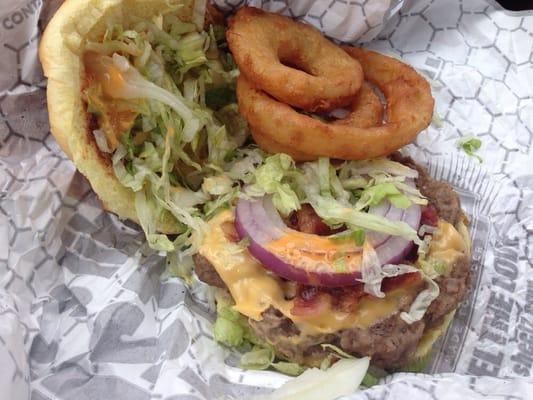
262	43
409	111
366	111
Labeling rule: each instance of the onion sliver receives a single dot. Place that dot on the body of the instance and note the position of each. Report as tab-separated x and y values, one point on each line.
306	258
386	210
251	221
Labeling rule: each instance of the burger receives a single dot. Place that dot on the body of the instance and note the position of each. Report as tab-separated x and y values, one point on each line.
309	261
312	288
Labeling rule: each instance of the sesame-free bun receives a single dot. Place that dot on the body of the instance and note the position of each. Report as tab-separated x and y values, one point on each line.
61	51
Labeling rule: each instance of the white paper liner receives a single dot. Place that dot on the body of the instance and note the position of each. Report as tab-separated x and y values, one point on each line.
86	313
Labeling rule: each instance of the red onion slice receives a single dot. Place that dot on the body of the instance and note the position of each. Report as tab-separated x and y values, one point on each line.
392	213
259	221
396	248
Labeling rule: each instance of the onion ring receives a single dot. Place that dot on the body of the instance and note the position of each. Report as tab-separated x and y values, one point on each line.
409	111
262	42
366	111
266	143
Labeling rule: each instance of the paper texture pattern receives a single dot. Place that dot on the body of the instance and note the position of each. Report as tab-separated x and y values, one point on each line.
87	312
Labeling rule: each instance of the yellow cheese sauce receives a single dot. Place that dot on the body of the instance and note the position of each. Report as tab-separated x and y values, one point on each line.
115	116
315	253
254	289
447	244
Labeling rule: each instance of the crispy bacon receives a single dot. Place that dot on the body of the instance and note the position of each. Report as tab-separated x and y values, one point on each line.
313	300
310	300
306	220
347	299
430	215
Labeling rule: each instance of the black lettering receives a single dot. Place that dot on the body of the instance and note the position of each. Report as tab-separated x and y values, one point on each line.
526	325
521	370
484	363
28	10
498	319
492	358
506	268
17	17
494	337
501	301
522	358
7	24
529	298
504	283
526	348
480	368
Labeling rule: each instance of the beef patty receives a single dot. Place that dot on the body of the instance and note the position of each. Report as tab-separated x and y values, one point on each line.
390	342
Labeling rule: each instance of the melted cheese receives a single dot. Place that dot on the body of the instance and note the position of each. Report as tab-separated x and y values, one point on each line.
447	244
315	253
115	116
254	289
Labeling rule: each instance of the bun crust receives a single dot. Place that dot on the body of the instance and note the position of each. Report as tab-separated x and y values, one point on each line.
60	51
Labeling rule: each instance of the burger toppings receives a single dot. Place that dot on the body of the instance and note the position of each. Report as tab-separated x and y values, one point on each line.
329	245
317	299
295	317
335	260
149	87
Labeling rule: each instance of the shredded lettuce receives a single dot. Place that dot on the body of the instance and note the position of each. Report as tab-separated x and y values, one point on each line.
217	185
470	145
257	358
433	268
178	153
270	179
228	332
183	147
373	272
369	380
180	265
336	350
101	141
382	165
231	329
419	365
374	195
422	301
147	213
288	368
356	235
335	213
230	325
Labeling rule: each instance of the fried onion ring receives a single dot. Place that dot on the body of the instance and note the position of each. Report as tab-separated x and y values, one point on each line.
267	46
366	111
269	145
409	111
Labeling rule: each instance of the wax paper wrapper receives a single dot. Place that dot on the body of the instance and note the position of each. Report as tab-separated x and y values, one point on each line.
88	312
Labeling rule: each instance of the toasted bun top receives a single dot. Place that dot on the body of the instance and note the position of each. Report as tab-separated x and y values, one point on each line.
61	50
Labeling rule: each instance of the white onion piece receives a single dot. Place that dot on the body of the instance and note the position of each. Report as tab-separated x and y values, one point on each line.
341	379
